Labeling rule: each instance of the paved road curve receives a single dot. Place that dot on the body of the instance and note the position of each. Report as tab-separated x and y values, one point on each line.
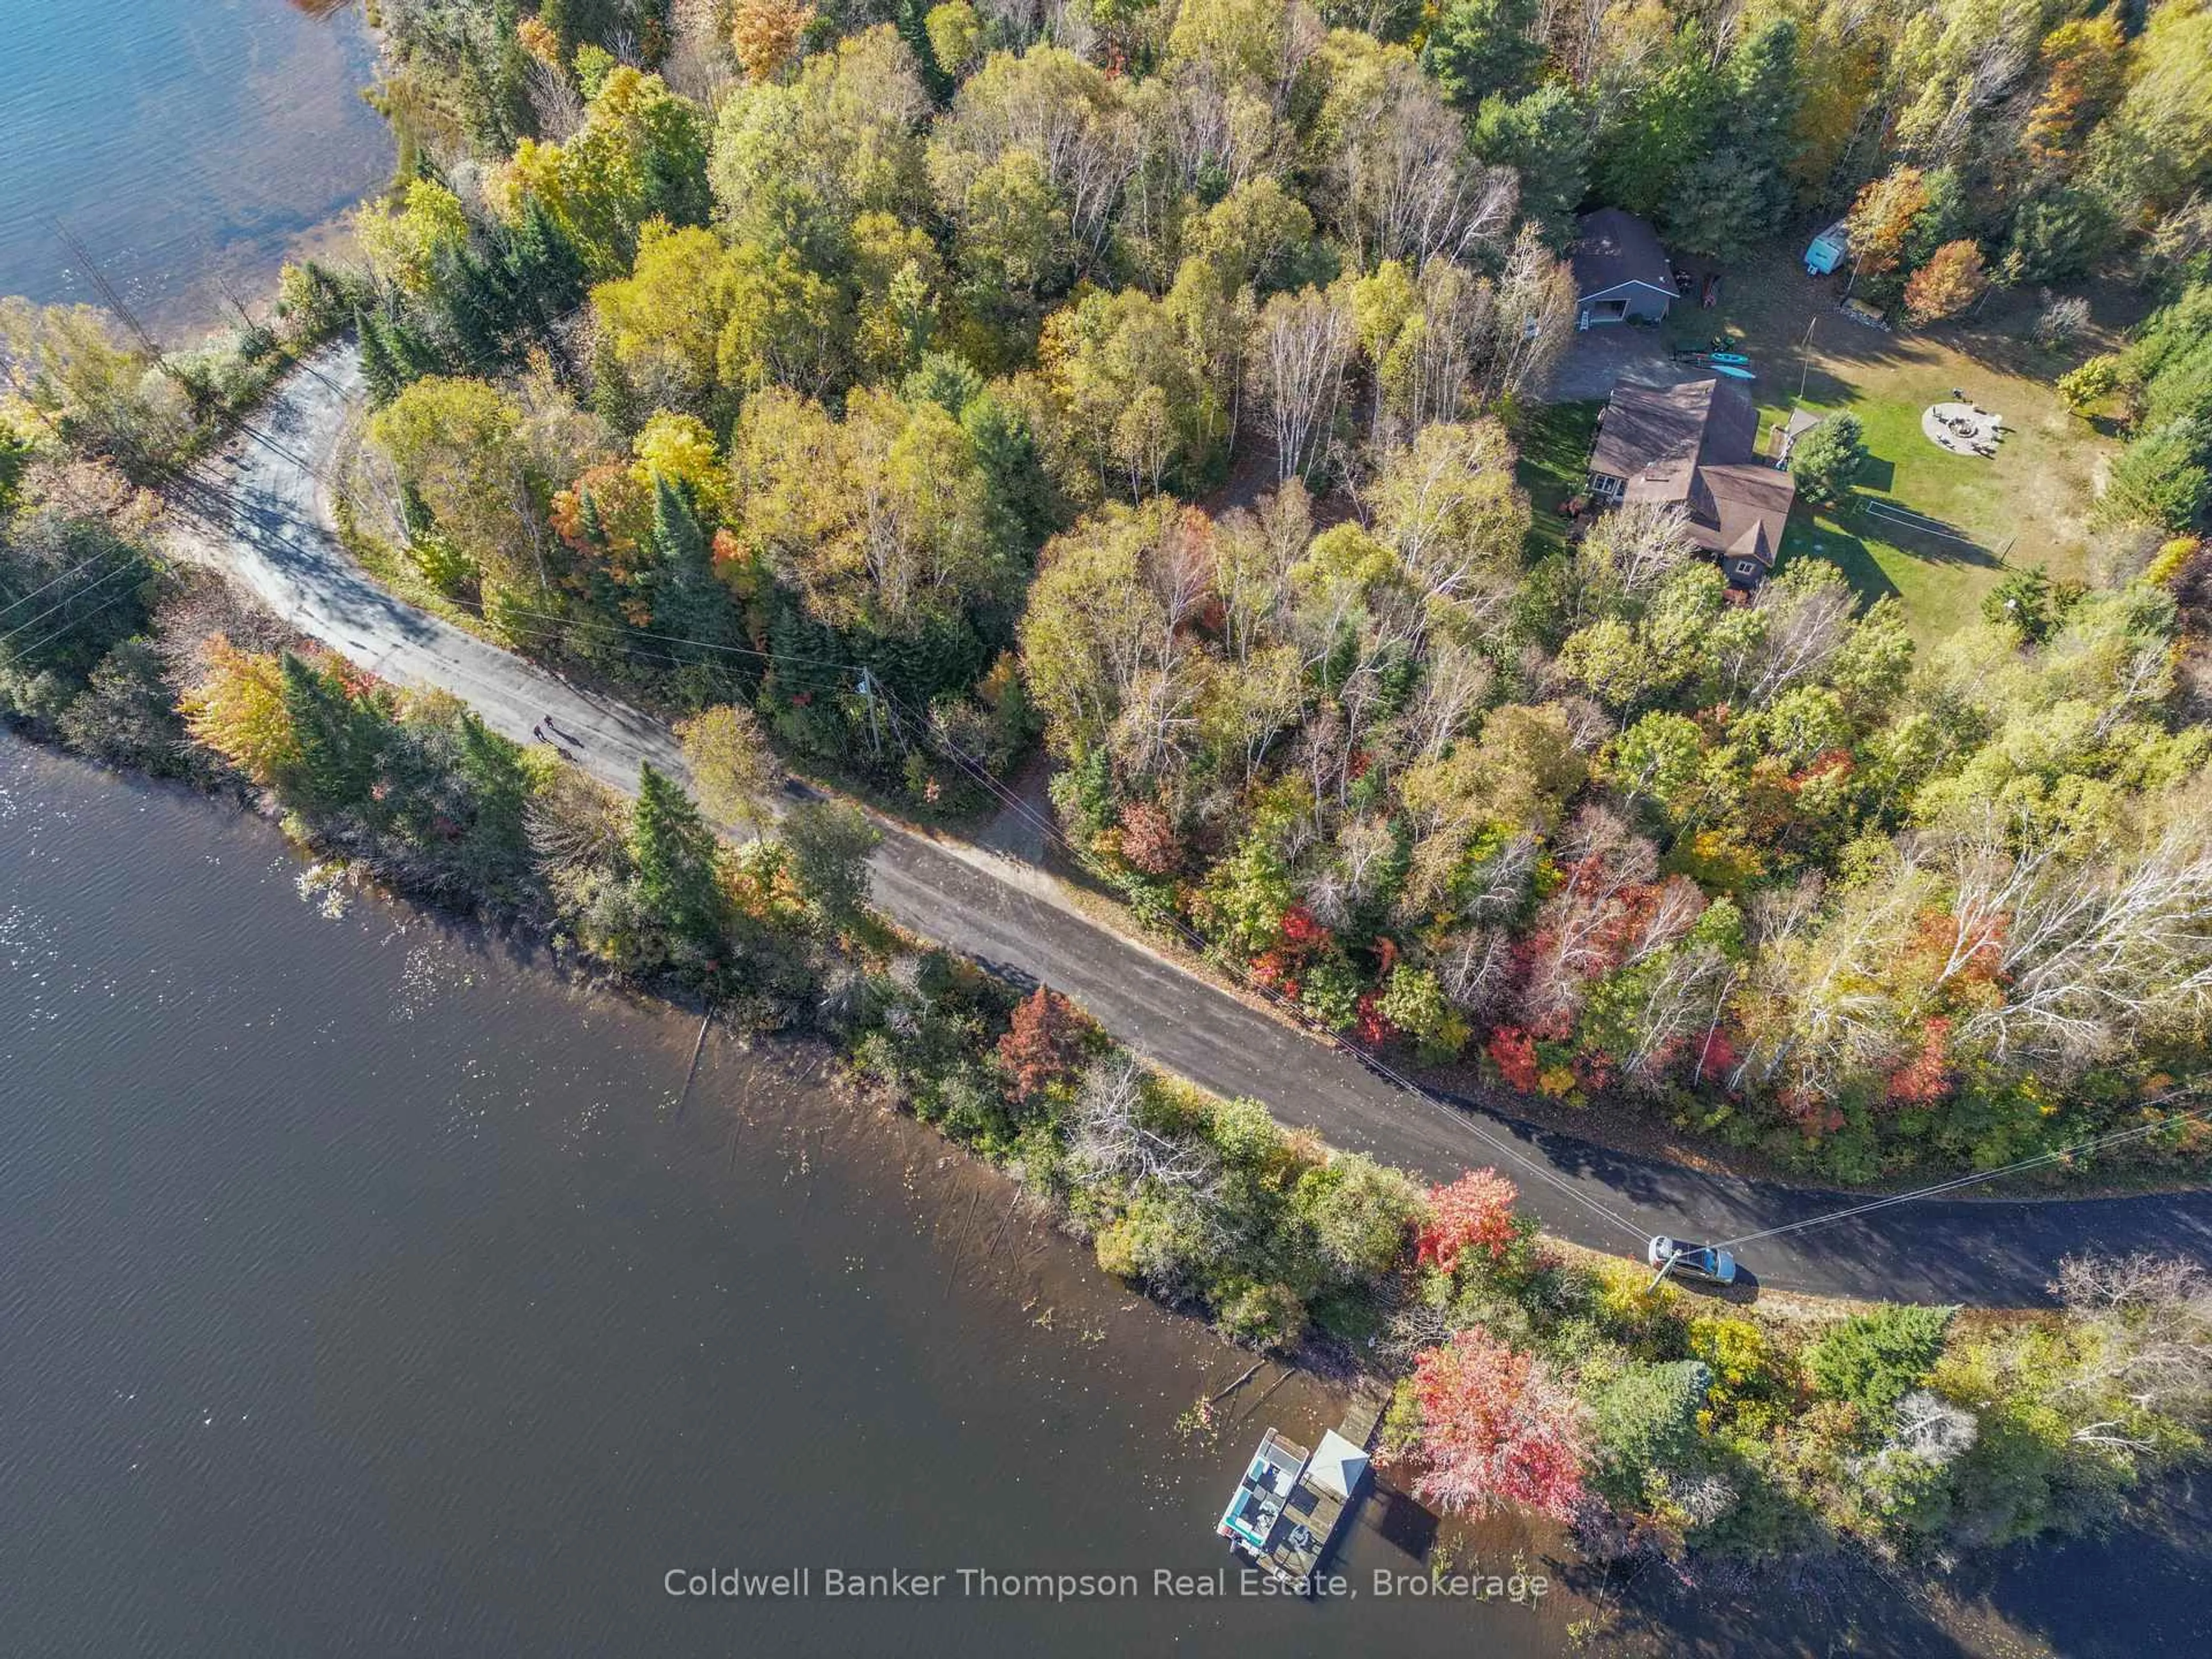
264	518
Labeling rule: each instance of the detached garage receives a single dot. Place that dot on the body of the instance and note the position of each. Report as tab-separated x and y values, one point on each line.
1621	273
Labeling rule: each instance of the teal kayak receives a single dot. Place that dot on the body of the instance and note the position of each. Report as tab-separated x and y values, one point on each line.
1733	372
1727	357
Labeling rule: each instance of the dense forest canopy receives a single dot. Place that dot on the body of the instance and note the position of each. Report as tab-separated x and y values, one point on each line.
879	317
866	365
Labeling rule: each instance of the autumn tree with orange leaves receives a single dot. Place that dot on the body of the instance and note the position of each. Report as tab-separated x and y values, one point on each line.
1474	1213
1044	1044
1491	1427
1953	279
765	35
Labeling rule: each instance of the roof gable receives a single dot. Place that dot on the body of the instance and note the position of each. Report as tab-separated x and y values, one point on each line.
1692	445
1613	249
1653	433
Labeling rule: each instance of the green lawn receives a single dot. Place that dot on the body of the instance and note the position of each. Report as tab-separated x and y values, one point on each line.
2026	506
1554	465
1939	584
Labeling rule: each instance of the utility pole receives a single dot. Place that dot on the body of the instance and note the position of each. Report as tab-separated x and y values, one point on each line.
867	689
1805	354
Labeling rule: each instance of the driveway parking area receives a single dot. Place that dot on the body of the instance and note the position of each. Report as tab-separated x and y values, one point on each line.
1600	358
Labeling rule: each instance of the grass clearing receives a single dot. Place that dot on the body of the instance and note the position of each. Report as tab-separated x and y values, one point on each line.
2028	505
1553	466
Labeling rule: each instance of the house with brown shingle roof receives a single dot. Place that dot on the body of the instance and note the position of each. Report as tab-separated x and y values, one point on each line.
1695	446
1621	271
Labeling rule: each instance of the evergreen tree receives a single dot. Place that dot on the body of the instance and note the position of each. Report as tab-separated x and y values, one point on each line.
911	22
414	513
1737	194
480	310
945	378
581	22
1659	129
674	852
1480	48
1828	460
802	698
494	96
1945	218
542	269
1545	137
394	353
495	851
554	13
687	600
588	522
2059	236
1021	494
614	398
340	739
379	371
690	604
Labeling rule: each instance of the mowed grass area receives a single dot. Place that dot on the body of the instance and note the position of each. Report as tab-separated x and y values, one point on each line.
1553	466
2028	505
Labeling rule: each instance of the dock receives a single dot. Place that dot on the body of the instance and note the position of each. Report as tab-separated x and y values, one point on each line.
1292	1503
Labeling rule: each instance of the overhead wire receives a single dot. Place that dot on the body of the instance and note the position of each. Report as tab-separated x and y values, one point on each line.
914	731
46	639
81	564
552	627
905	718
925	734
1304	1021
2134	1132
123	569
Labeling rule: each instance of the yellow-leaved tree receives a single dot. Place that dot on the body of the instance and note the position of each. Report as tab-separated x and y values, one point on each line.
765	35
237	710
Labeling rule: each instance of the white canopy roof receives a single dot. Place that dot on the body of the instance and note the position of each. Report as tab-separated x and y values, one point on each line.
1338	1465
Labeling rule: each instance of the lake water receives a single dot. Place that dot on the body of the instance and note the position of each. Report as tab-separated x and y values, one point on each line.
364	1289
365	1292
186	143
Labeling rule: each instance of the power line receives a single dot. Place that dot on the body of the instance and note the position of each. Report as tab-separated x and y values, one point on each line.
1299	1016
44	641
552	625
2134	1133
904	716
51	581
129	564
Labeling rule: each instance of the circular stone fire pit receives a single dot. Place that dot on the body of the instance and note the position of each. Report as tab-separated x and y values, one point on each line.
1962	428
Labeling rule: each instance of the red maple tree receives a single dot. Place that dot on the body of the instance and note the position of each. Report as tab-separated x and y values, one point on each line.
1514	1052
1717	1056
1043	1042
1926	1078
1473	1212
1496	1427
1148	840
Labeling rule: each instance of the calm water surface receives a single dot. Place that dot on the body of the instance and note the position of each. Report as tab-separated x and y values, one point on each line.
363	1291
186	143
